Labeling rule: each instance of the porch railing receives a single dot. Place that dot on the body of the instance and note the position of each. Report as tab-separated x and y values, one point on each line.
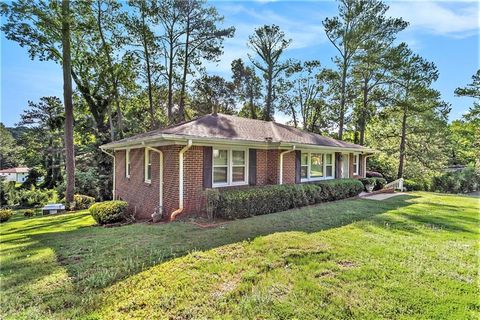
395	185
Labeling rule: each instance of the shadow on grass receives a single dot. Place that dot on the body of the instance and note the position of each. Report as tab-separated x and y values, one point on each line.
96	257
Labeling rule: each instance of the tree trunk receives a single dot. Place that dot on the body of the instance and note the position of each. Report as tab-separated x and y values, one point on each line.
181	108
68	101
268	108
341	122
170	84
153	122
363	113
401	162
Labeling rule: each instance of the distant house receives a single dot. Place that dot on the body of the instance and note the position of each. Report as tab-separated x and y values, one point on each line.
168	170
15	174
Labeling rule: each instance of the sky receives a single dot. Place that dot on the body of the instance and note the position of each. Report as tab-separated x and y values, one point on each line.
446	33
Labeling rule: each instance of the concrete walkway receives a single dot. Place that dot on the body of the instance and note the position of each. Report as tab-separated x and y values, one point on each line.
381	196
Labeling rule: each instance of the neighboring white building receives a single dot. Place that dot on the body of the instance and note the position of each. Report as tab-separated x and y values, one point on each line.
15	174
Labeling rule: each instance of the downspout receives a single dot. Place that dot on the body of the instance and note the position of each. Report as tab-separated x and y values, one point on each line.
281	163
180	181
160	178
114	173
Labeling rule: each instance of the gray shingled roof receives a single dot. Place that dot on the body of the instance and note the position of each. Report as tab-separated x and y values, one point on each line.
227	127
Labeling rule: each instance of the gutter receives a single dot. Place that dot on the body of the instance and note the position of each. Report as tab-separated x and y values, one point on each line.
180	181
113	156
281	163
160	180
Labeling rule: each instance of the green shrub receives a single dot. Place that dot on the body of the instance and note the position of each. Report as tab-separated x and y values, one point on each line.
5	214
242	203
36	197
109	211
412	185
29	213
82	202
467	180
379	183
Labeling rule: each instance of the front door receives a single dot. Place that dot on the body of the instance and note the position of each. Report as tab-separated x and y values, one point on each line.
345	165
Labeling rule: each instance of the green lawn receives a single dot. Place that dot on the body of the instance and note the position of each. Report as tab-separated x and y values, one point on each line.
413	256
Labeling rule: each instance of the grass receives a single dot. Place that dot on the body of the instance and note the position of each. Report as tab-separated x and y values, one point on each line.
407	257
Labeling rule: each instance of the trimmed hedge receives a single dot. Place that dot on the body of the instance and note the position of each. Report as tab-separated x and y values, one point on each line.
242	203
109	211
5	214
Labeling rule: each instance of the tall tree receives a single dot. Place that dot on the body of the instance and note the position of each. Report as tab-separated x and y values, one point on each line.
472	90
68	101
202	40
143	42
170	15
247	87
213	94
45	121
358	22
412	95
9	150
269	43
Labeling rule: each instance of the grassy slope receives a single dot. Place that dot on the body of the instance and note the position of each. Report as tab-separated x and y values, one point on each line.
406	257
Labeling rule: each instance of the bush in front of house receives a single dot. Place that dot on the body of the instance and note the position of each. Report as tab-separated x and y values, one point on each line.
242	203
109	212
5	214
379	183
29	213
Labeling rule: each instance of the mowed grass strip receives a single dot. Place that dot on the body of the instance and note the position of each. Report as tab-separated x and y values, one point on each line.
412	256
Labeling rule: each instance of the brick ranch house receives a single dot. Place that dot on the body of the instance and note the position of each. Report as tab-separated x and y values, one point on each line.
168	170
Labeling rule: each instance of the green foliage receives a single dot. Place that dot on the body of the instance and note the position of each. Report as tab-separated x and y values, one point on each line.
109	212
242	203
5	214
368	181
82	201
36	197
9	149
29	213
412	185
464	181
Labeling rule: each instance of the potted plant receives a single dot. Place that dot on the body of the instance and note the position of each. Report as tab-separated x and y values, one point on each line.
368	183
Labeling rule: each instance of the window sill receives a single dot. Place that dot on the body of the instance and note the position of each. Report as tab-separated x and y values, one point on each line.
148	181
225	185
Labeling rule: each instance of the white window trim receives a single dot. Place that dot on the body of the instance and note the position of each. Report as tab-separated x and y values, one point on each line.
127	163
356	161
230	182
147	154
309	163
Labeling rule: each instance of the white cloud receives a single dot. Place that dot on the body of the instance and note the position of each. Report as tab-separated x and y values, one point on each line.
459	19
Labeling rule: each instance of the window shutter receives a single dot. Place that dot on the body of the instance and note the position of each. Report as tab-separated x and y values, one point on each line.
298	166
360	165
252	167
207	167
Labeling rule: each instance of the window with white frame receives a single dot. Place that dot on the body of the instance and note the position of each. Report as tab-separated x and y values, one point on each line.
148	166
316	166
127	163
229	167
356	161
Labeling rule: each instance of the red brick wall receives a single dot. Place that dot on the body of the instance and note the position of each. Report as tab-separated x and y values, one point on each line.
262	160
273	159
289	168
193	193
142	197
